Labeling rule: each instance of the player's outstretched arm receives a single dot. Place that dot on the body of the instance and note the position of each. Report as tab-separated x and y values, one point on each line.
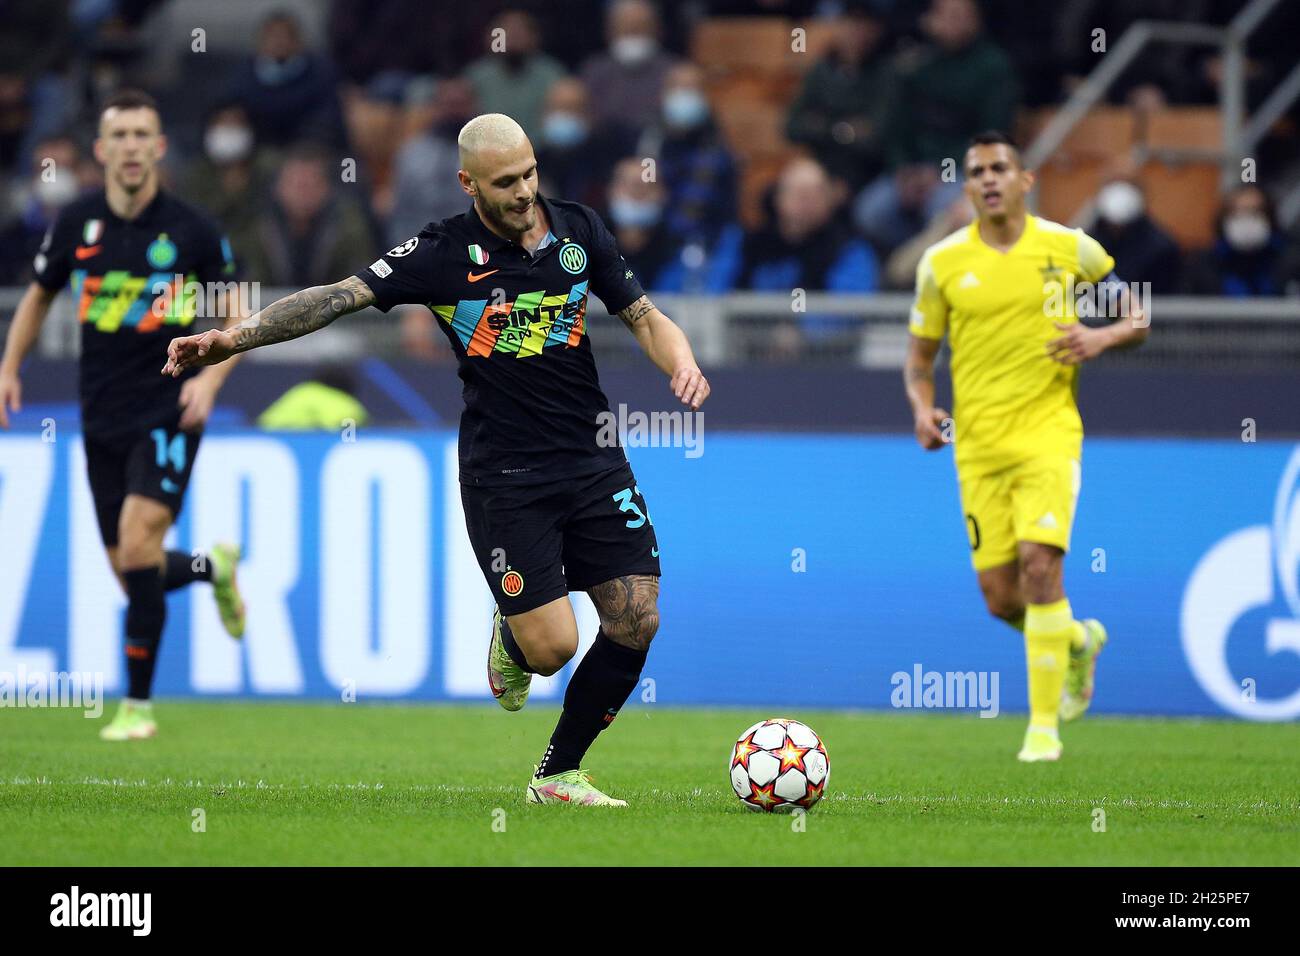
23	332
666	345
199	394
918	380
288	318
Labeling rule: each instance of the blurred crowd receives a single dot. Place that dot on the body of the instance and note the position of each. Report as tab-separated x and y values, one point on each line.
318	133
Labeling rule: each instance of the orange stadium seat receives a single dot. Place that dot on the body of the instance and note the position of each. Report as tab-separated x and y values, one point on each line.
1183	198
753	74
1066	185
753	127
376	128
1184	127
757	44
1105	132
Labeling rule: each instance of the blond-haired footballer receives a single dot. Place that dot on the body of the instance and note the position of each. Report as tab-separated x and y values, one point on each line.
999	289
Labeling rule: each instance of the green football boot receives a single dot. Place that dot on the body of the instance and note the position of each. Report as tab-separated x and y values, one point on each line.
1076	695
508	681
572	786
133	721
1040	744
230	605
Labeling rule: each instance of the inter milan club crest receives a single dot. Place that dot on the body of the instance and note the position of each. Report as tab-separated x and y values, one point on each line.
512	582
478	255
161	252
573	258
91	232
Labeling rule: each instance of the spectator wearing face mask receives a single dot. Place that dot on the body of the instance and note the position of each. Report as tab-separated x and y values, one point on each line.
575	152
230	180
287	90
1247	256
424	179
692	160
512	77
636	216
626	83
1143	252
59	175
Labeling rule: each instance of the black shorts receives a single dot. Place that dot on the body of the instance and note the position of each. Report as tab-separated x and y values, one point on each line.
535	543
155	463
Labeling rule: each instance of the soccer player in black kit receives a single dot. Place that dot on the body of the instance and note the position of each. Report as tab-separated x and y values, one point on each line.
130	257
549	508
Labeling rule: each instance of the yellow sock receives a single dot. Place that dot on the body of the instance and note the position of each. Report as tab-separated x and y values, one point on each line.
1049	629
1078	636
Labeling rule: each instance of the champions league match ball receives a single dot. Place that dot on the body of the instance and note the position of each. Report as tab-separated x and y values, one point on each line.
779	764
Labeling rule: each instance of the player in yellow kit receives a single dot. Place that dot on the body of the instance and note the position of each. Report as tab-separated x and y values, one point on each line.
1003	290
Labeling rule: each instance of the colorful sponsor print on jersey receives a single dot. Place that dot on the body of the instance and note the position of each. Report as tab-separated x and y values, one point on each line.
117	300
522	328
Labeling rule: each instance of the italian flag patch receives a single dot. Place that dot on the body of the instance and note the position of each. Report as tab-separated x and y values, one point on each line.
477	255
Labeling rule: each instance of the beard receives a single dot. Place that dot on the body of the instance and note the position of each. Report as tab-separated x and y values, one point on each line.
502	216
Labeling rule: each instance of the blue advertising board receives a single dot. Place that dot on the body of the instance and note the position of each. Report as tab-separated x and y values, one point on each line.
799	570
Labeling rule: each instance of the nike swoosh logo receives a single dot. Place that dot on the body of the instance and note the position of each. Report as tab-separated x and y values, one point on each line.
482	275
85	252
654	552
170	486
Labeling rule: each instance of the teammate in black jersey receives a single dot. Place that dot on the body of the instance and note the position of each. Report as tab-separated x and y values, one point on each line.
549	507
134	259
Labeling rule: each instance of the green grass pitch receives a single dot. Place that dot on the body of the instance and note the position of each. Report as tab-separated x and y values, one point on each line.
309	784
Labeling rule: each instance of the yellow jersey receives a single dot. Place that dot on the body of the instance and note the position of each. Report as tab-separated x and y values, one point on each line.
1011	402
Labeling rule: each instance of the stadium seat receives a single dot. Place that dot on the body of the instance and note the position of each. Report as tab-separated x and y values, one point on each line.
1183	127
377	128
1105	132
1184	198
756	44
1067	185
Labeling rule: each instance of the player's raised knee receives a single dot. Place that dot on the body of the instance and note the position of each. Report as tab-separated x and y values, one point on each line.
636	631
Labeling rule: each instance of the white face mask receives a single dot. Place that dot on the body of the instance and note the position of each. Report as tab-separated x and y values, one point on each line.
1119	203
685	109
632	50
56	192
228	144
1247	231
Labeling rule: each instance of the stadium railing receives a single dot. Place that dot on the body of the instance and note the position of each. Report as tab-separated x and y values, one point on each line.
867	330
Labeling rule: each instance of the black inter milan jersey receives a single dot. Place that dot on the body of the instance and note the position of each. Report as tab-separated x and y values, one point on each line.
517	323
136	285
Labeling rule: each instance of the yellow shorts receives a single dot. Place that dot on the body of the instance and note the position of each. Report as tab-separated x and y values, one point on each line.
1032	501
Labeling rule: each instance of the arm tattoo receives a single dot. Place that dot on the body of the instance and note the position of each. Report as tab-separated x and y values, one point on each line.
628	609
302	312
636	311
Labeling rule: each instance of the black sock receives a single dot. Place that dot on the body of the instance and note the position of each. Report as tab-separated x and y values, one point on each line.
146	610
604	679
513	649
178	569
